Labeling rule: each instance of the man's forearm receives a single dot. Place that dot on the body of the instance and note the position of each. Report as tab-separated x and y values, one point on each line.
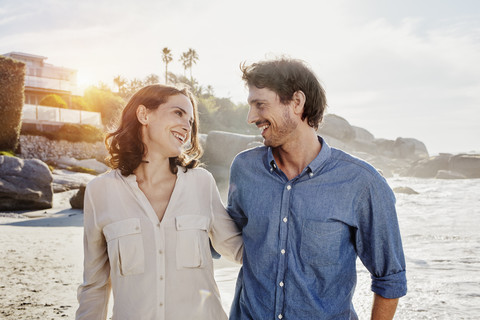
383	308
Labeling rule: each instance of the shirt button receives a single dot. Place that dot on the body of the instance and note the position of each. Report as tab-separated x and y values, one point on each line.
281	284
271	169
161	304
137	228
161	277
160	251
289	187
275	166
158	225
280	316
285	219
282	251
311	174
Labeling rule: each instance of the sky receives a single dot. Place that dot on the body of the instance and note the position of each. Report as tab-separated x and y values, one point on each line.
406	68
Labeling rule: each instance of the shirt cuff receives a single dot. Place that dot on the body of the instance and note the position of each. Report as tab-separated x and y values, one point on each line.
392	286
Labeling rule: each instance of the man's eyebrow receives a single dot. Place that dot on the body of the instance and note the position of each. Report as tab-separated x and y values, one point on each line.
255	101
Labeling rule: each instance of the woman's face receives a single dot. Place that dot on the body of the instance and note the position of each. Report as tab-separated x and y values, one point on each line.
167	128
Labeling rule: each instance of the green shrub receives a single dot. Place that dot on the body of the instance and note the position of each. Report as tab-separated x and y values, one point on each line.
12	79
69	132
53	100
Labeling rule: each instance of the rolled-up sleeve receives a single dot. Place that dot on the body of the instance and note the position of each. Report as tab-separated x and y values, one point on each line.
94	292
225	235
378	240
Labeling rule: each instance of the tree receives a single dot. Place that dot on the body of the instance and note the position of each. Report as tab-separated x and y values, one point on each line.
53	100
12	74
120	82
106	102
185	62
166	58
192	58
151	79
78	103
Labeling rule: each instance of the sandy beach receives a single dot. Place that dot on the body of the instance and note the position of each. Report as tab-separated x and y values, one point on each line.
42	256
42	260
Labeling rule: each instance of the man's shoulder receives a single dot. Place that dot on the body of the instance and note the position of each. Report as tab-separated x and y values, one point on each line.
342	158
251	155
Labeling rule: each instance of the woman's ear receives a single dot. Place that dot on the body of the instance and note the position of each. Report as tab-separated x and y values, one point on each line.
299	102
142	114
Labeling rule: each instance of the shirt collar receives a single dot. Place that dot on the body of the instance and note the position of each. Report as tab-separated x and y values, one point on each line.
314	166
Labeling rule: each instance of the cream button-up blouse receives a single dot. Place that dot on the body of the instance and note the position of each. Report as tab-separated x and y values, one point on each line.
156	270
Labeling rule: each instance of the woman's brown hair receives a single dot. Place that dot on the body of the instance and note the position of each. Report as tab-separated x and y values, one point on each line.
125	144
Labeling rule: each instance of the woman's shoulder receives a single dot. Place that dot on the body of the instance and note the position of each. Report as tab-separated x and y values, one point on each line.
104	179
197	173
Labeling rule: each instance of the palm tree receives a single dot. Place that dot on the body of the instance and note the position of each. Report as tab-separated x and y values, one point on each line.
120	82
184	59
167	58
151	79
192	59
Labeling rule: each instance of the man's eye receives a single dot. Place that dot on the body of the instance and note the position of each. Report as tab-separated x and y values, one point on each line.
178	113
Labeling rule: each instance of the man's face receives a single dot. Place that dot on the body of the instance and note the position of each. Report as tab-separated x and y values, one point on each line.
276	121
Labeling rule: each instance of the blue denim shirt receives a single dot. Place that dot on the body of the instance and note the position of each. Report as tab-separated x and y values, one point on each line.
302	236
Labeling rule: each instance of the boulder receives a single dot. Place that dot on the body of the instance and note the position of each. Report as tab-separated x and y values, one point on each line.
222	147
445	174
405	190
362	134
25	184
64	180
93	164
77	200
336	127
428	168
465	164
409	148
385	147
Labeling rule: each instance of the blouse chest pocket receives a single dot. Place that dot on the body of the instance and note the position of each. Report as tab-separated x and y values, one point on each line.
192	241
125	246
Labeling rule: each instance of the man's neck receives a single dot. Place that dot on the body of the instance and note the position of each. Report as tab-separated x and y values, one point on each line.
293	156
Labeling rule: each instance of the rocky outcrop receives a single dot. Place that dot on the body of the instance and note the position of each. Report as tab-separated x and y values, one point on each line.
465	164
24	184
446	166
38	147
405	190
77	200
222	147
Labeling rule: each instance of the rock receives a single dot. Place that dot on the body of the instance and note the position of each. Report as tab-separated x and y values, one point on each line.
77	200
64	180
336	127
222	147
24	184
385	147
362	134
428	168
93	164
406	190
466	164
409	148
445	174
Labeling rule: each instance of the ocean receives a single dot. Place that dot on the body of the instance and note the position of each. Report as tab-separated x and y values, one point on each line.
441	242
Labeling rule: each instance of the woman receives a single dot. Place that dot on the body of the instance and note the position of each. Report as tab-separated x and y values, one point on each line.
148	221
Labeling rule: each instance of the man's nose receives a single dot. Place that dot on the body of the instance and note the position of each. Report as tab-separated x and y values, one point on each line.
252	115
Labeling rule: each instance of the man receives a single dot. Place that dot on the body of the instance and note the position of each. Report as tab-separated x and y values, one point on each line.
307	210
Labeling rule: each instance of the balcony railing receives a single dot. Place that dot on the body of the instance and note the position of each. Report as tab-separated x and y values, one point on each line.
46	83
51	114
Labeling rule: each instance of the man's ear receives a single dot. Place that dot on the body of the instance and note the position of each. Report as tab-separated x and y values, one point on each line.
298	100
142	114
